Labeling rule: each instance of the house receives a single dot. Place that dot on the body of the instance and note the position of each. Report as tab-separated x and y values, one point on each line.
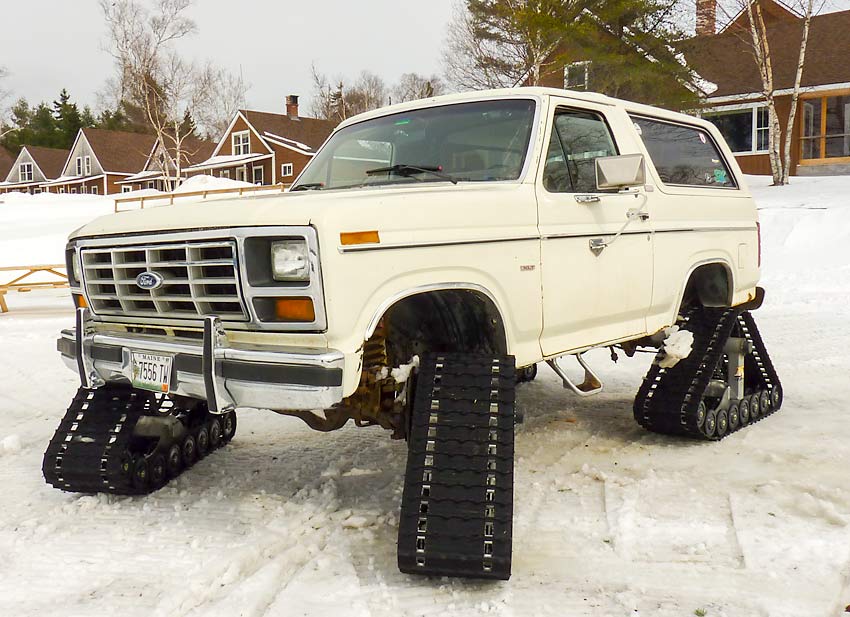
33	166
265	148
161	165
820	137
100	158
6	160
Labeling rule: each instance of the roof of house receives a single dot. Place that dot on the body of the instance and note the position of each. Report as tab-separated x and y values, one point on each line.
51	161
772	11
6	160
120	151
727	58
311	132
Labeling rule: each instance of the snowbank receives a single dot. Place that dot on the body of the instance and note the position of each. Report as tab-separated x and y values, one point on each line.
35	228
210	183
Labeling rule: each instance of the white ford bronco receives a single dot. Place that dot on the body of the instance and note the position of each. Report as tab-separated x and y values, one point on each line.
424	262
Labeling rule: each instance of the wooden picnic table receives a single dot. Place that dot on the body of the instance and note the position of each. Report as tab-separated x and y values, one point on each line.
20	283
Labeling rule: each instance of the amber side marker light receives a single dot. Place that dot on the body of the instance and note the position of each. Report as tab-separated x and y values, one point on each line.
80	301
294	309
359	237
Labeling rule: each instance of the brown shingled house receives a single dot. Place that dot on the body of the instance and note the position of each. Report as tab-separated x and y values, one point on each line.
161	165
100	158
33	166
6	160
821	132
265	148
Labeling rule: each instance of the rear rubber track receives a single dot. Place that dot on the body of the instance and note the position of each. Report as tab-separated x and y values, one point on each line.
457	506
672	401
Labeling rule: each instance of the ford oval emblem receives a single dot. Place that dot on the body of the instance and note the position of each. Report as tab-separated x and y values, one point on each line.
149	280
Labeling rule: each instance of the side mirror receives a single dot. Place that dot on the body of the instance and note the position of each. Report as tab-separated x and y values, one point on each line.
620	172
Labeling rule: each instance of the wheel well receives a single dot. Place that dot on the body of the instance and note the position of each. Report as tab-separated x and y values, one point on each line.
443	320
709	285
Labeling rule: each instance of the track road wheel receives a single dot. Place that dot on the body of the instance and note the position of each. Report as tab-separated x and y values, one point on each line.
189	449
141	474
702	410
744	411
755	407
215	433
710	425
776	397
228	426
734	416
722	423
764	402
202	438
174	460
158	471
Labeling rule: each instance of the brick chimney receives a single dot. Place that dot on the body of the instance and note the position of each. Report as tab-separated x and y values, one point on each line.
292	106
706	17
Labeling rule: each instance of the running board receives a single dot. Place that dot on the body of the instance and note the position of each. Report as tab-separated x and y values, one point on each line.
591	384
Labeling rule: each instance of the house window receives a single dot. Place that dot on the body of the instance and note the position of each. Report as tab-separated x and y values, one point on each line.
61	190
224	173
93	190
286	170
576	75
36	190
79	166
826	128
87	166
74	191
684	155
258	175
25	172
151	184
126	189
240	174
241	143
747	131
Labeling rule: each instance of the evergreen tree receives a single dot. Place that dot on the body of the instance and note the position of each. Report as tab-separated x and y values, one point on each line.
68	119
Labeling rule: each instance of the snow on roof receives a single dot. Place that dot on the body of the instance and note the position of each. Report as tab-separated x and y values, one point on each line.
291	143
226	160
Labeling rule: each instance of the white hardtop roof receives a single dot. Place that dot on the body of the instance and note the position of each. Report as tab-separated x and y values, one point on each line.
524	92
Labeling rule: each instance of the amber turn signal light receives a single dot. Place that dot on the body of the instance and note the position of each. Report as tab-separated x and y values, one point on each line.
294	309
359	237
80	301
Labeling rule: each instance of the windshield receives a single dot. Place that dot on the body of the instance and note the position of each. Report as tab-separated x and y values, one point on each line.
467	142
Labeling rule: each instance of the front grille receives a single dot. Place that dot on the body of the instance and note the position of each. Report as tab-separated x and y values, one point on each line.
199	278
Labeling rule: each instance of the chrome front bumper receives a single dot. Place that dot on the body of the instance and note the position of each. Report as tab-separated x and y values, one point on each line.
225	375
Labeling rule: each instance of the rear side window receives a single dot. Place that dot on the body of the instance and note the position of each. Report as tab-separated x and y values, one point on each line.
684	155
578	138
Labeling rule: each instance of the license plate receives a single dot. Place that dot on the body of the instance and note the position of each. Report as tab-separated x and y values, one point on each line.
151	372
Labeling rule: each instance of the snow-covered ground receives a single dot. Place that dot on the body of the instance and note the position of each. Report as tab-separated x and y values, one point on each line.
610	520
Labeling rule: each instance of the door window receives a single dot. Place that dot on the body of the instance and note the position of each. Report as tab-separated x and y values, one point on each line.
578	138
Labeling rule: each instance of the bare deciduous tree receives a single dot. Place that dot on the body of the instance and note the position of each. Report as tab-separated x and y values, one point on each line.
413	86
757	39
172	93
341	100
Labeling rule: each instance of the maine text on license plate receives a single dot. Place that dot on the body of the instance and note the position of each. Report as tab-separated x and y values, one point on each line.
151	372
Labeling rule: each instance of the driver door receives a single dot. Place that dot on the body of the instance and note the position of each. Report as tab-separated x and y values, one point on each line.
589	298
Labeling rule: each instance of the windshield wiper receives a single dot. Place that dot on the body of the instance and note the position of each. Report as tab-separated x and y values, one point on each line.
315	186
403	169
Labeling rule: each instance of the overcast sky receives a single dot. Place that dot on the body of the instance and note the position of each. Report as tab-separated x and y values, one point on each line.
273	42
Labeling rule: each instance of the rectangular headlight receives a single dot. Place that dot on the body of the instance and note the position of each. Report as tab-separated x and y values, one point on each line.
290	260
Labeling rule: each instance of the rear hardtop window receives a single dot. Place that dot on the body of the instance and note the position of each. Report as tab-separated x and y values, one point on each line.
684	155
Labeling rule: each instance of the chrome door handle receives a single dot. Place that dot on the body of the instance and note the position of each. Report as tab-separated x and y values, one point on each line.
587	199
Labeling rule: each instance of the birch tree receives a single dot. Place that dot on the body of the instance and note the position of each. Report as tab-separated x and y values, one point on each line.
779	149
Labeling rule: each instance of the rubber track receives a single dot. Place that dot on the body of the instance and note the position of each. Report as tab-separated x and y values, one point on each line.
457	506
90	450
668	399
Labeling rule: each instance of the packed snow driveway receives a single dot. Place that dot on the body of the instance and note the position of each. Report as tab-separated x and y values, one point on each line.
610	519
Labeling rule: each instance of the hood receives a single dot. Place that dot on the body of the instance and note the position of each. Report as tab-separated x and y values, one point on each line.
300	208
